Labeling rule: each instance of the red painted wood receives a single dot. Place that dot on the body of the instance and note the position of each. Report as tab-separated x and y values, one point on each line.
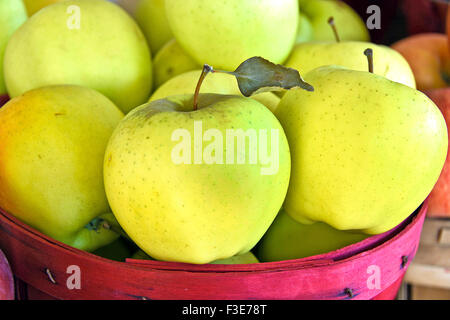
6	279
325	276
390	293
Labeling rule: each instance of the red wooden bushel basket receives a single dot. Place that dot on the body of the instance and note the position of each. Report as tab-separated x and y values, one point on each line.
41	263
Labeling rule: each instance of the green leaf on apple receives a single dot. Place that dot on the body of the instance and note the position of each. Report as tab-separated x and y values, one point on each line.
257	75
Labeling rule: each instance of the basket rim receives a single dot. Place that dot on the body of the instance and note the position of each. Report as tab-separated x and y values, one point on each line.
342	255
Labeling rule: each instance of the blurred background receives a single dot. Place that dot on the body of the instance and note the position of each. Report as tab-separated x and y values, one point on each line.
401	18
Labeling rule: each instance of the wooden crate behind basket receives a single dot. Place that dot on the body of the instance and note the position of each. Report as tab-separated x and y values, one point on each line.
429	273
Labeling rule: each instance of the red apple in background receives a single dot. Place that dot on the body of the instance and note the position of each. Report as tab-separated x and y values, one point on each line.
439	199
424	15
6	279
429	58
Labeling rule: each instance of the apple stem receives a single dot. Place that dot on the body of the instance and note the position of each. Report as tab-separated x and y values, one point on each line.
206	69
333	26
369	54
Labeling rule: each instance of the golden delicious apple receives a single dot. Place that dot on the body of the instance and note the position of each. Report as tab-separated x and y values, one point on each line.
348	22
93	43
171	61
366	151
245	258
225	33
151	17
52	144
198	185
216	83
12	16
289	239
387	62
141	255
305	31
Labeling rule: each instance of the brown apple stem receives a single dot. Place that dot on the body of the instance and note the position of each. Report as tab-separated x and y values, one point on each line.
206	69
369	54
333	26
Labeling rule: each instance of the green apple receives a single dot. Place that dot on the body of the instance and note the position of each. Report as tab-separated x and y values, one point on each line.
34	6
12	16
171	61
141	255
348	22
225	33
289	239
245	258
151	17
387	62
117	250
52	144
305	31
76	42
216	83
184	200
366	151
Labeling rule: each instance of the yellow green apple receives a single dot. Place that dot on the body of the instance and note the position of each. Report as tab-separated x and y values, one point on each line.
348	22
93	43
225	33
186	201
289	239
305	30
52	144
12	16
215	83
245	258
366	151
151	17
141	255
171	61
387	62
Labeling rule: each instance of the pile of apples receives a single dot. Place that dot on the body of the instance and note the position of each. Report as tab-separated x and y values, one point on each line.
114	135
